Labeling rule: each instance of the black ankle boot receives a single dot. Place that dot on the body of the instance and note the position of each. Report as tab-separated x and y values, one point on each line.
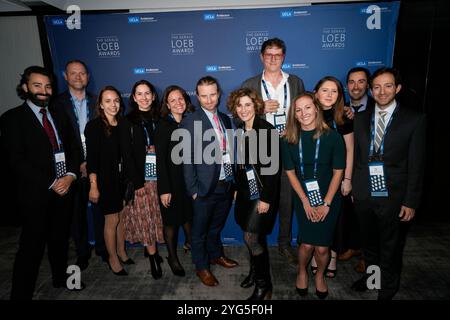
263	283
155	265
249	281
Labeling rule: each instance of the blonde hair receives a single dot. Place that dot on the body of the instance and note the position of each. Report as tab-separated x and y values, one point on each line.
293	127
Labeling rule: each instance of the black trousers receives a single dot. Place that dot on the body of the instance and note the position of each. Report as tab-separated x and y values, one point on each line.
79	227
383	240
46	222
348	233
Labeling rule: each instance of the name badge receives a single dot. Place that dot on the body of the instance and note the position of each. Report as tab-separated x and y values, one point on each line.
150	167
313	193
83	144
378	186
226	162
252	186
280	122
60	164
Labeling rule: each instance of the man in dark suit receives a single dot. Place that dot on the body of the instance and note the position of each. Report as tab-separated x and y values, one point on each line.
79	106
277	88
387	179
209	179
348	227
37	141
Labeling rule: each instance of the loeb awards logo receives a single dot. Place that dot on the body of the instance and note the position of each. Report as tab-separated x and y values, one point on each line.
182	44
333	38
108	47
254	40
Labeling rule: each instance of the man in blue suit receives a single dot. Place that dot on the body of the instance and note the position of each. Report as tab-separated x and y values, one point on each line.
79	106
209	183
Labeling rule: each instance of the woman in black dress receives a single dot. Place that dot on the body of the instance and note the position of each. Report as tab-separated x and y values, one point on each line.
103	166
176	206
257	185
330	95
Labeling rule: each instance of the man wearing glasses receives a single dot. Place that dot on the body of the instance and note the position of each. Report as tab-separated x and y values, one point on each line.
277	88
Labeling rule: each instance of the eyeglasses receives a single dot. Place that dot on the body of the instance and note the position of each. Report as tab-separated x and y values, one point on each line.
269	56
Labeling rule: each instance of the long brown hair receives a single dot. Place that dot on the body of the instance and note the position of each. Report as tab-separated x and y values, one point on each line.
293	127
338	106
101	112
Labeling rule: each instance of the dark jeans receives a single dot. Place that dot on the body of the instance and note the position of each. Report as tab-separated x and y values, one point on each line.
209	217
47	222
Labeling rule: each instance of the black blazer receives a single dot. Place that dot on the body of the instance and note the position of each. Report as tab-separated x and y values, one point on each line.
404	155
133	144
30	154
63	102
270	183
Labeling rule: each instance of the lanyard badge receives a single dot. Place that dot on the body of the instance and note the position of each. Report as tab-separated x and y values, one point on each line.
150	167
378	186
252	185
279	122
226	162
60	164
313	192
377	178
311	185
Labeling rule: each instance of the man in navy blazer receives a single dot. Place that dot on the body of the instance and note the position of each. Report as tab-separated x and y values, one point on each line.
208	179
35	139
79	106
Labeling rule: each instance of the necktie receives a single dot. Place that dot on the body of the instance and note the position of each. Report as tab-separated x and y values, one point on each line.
49	129
381	126
221	135
357	107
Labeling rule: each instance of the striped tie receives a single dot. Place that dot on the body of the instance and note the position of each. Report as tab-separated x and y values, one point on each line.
380	129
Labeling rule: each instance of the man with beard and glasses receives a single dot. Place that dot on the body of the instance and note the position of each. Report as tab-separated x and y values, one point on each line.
42	154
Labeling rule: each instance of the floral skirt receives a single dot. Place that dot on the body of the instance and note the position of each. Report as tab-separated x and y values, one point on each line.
142	217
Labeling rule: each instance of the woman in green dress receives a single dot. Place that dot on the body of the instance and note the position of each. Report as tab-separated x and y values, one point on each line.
314	160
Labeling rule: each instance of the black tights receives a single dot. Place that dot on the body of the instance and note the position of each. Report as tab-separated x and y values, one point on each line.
255	242
171	238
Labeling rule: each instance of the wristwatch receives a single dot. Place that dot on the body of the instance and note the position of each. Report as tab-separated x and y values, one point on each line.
326	204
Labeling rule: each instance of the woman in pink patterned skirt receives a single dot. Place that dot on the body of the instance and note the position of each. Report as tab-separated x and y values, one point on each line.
142	216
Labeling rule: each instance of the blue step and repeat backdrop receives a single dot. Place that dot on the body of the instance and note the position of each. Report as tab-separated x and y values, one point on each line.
180	47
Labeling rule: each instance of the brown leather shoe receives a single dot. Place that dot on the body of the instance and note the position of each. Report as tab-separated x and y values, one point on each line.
361	266
224	262
350	253
207	278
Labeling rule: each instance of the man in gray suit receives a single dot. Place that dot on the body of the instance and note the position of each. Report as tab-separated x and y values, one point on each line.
277	88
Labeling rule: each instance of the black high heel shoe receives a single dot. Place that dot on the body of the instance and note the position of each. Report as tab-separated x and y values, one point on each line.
302	292
127	262
176	267
120	273
321	294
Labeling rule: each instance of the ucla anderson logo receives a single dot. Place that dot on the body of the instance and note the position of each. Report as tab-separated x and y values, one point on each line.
58	22
209	16
212	68
133	20
139	70
287	13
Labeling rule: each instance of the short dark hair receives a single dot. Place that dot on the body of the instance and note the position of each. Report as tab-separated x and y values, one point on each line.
76	61
207	80
358	69
384	70
26	77
273	42
164	110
